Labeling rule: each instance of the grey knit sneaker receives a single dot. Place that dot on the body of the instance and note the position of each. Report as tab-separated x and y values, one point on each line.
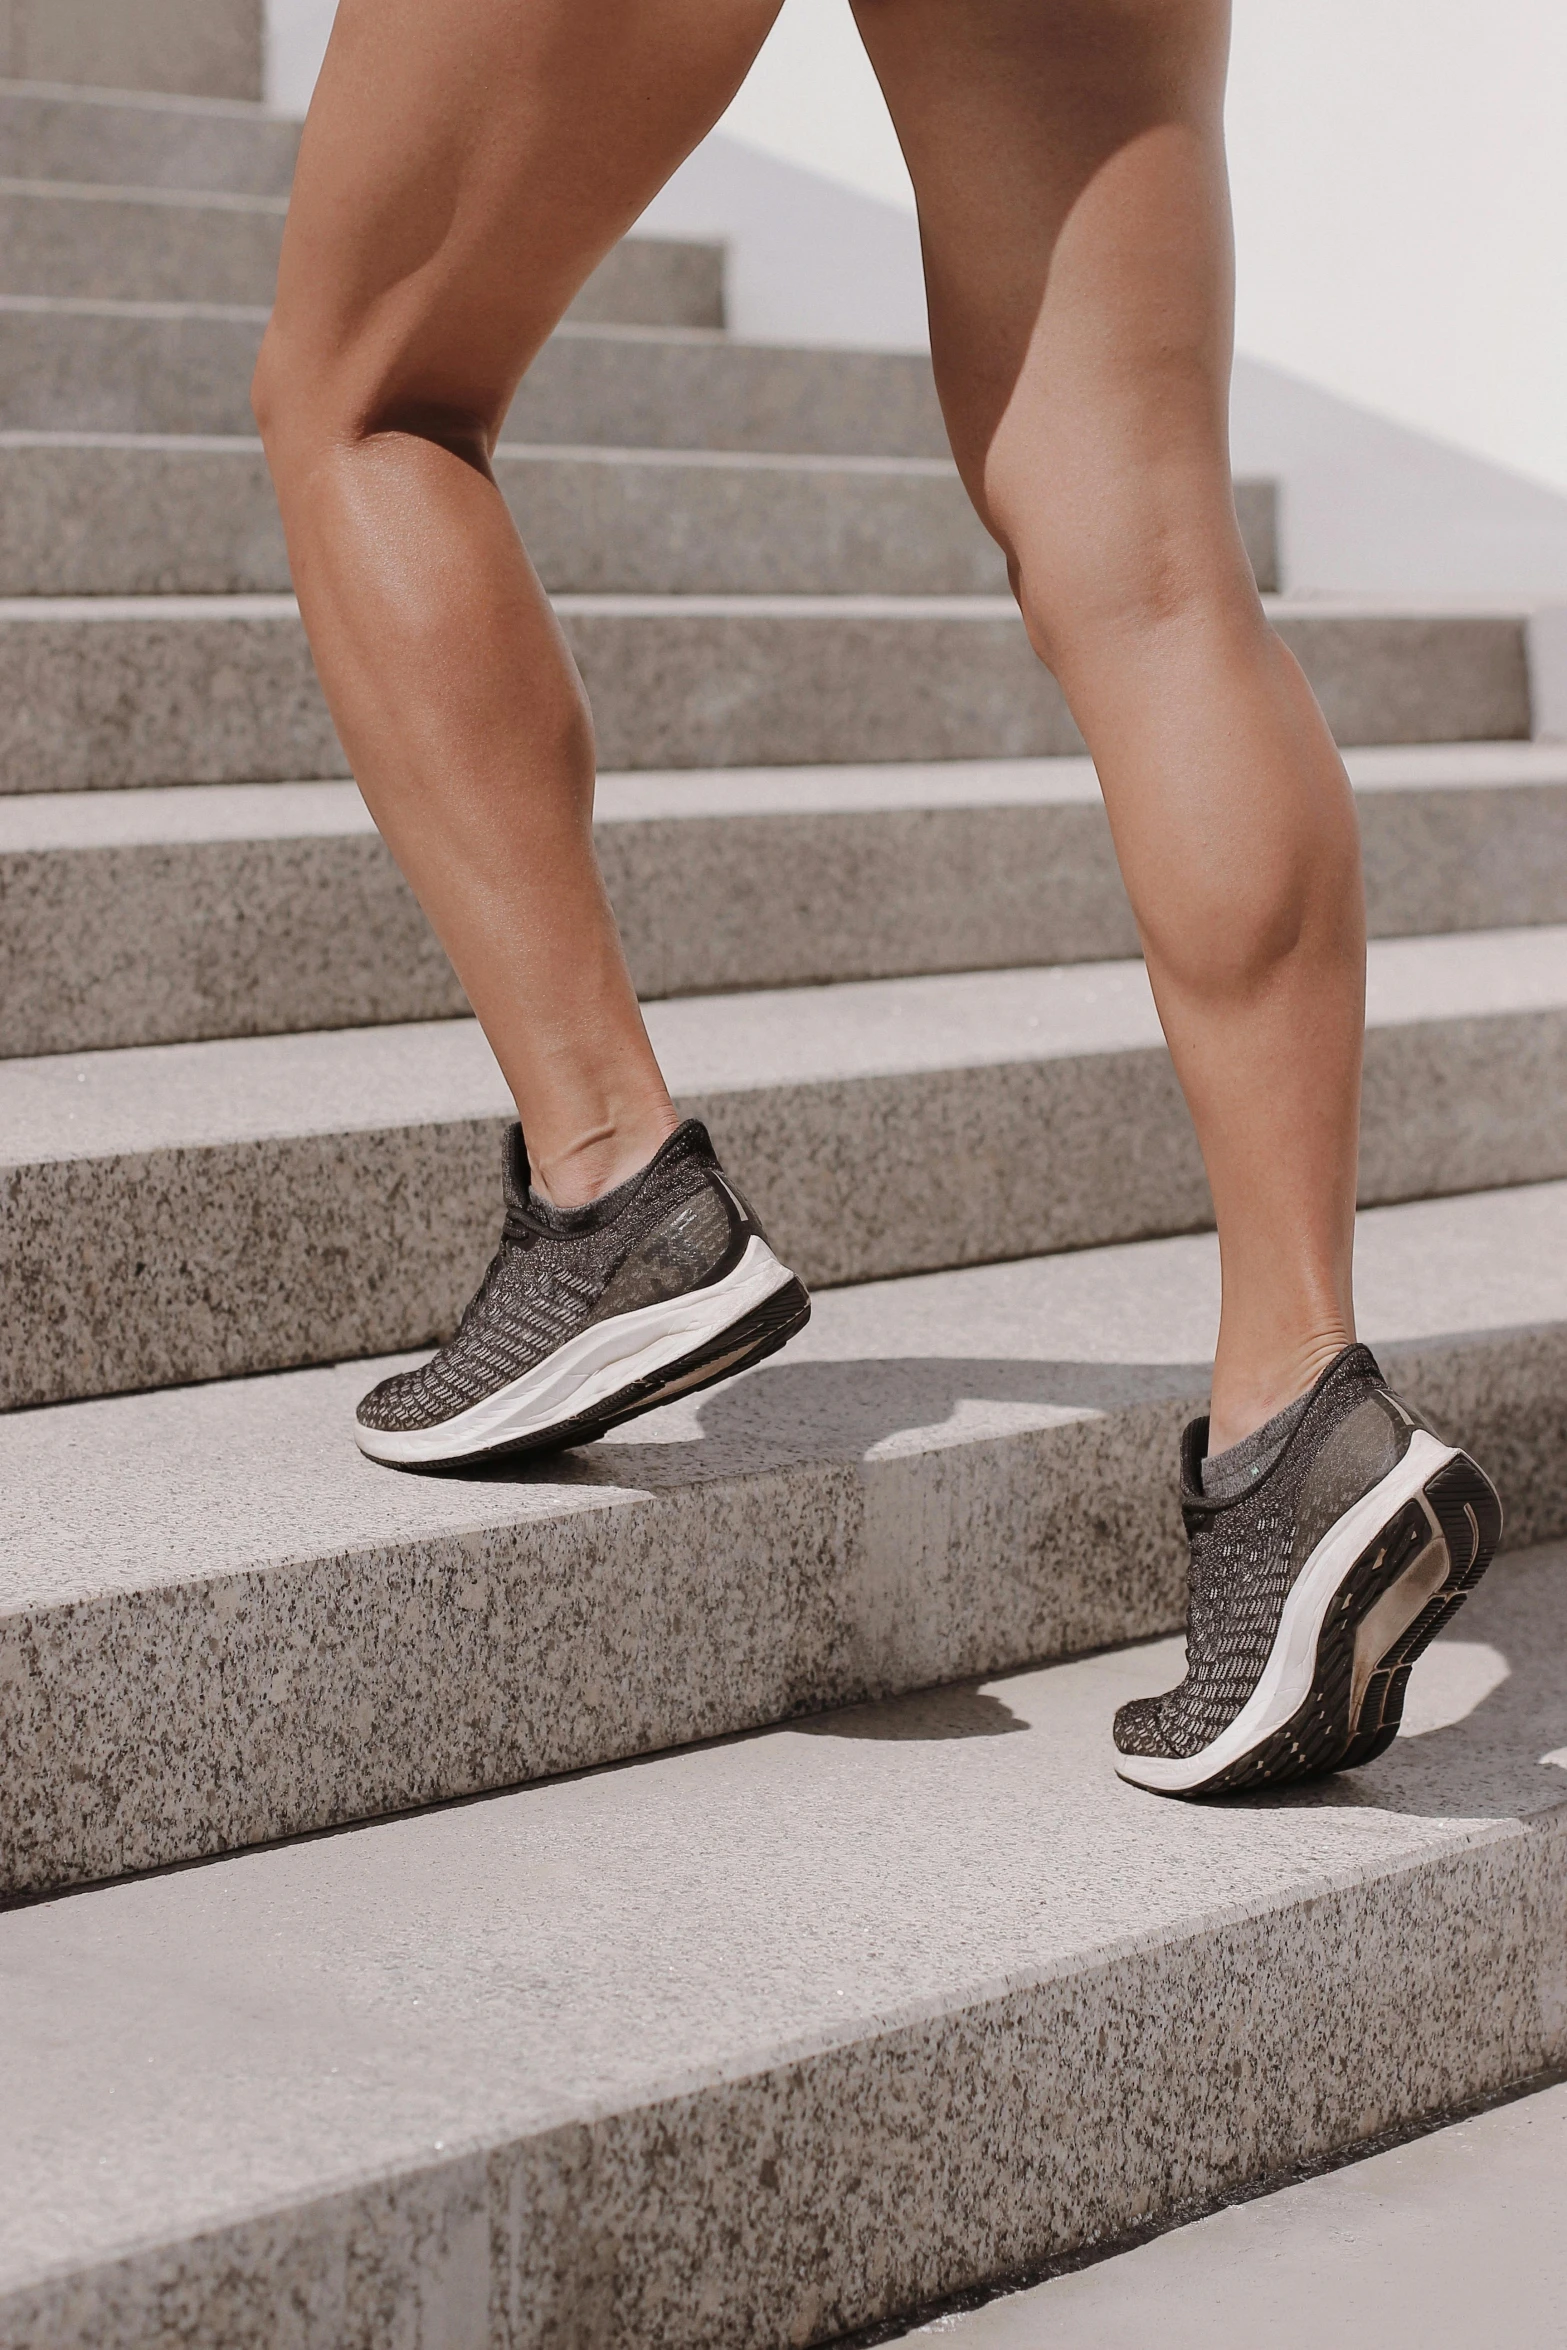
588	1316
1313	1593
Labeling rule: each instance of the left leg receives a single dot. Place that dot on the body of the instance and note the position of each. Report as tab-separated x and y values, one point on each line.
1068	159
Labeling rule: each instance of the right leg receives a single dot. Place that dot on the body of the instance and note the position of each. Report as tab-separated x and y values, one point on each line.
462	171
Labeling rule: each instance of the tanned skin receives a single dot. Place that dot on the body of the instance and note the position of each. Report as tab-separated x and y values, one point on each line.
462	171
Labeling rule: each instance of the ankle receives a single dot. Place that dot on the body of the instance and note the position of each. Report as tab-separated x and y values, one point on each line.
584	1168
1247	1395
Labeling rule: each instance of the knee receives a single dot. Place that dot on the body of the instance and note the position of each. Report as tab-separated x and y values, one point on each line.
271	393
314	395
1126	582
295	400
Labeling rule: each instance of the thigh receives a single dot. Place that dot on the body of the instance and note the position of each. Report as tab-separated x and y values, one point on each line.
1068	160
464	167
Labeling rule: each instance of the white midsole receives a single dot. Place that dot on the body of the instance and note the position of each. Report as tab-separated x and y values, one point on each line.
1287	1676
590	1369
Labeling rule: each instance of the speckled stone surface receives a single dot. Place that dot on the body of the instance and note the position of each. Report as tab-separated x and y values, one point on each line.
749	2045
230	910
186	367
205	48
1441	2241
175	244
173	367
153	245
201	1210
655	281
131	514
100	692
633	388
144	140
109	691
219	1623
106	514
128	514
1460	837
239	909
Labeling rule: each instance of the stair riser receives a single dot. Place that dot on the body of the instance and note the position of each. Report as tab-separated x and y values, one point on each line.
90	701
93	521
164	944
115	248
45	135
199	48
211	1262
637	1620
979	2137
73	371
185	520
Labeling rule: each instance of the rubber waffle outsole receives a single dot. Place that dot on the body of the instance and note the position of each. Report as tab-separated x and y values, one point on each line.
745	1343
1459	1507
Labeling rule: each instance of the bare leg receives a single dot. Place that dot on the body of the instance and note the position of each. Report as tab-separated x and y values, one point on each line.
1068	159
462	171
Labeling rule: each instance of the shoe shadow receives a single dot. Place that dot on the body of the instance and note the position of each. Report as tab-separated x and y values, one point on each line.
962	1710
792	1412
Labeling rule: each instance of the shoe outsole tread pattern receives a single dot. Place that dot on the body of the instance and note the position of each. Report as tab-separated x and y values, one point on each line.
1458	1507
749	1341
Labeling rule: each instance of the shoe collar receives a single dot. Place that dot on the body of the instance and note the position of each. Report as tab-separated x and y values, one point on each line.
1353	1362
526	1213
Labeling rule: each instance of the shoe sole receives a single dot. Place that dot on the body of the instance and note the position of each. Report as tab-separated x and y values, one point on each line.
615	1370
1374	1593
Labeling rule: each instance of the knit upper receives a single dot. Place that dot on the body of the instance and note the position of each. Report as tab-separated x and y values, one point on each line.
1246	1554
672	1227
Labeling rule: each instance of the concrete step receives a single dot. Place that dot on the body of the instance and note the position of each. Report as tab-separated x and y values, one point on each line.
136	139
914	1492
162	245
137	244
107	691
1420	2242
123	514
212	910
792	2034
205	48
74	365
199	1211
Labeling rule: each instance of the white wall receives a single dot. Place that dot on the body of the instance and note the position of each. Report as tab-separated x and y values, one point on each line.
1400	171
1400	178
810	260
296	42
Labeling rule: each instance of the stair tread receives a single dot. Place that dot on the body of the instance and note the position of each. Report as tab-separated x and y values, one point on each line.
200	1588
157	1097
150	1489
274	606
93	101
542	452
689	1933
178	813
111	192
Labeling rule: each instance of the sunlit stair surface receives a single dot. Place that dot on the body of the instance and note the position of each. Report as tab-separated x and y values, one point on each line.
771	2038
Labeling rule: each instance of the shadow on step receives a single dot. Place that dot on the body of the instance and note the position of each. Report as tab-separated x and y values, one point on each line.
929	1714
793	1412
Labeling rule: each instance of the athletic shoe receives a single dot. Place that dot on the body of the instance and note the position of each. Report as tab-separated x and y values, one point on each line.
1313	1593
588	1316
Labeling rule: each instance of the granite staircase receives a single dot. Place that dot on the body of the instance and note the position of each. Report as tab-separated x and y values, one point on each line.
793	1957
